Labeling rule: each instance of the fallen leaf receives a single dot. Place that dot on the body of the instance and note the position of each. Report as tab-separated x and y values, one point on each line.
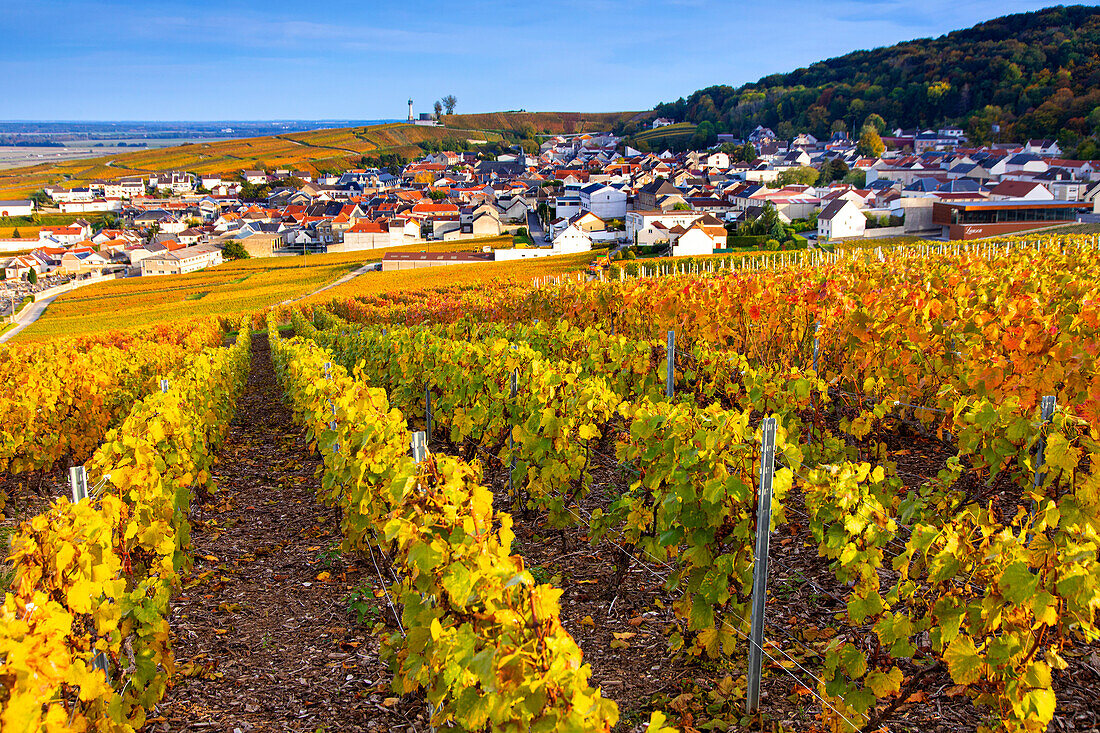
587	621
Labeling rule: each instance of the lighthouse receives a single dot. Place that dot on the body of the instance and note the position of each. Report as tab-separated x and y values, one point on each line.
410	110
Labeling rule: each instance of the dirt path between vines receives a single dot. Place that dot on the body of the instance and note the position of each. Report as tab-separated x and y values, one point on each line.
264	633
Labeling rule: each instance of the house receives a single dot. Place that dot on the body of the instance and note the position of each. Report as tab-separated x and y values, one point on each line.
572	239
188	259
839	220
1043	147
175	181
701	238
1021	190
762	135
124	188
1025	163
82	260
646	197
661	122
62	234
16	208
606	202
640	225
514	209
256	178
19	267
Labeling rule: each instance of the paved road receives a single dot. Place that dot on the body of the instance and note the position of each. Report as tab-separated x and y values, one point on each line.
28	316
534	228
350	276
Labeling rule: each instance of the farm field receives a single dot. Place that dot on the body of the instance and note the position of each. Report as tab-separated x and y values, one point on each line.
312	151
593	492
232	289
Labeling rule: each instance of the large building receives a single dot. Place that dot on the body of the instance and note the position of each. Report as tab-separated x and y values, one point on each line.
182	261
417	260
978	219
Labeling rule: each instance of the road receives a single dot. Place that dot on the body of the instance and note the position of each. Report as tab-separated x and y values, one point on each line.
534	228
350	276
28	316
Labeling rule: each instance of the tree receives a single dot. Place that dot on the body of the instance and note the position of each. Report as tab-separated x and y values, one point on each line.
108	221
856	177
235	251
1086	150
804	175
16	235
747	154
32	277
834	170
875	120
438	107
450	102
870	143
681	206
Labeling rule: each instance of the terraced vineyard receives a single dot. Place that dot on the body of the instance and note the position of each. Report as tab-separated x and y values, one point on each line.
572	548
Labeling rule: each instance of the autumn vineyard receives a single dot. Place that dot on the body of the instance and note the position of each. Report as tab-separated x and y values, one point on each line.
572	547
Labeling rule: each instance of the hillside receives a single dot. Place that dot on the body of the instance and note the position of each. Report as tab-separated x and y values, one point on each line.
1034	74
541	122
331	149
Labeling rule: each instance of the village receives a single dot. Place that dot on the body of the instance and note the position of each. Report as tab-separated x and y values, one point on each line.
578	193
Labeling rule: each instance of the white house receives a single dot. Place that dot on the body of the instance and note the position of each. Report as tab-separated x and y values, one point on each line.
572	240
1009	190
606	202
176	181
637	221
16	208
62	234
188	259
839	220
699	239
124	188
717	160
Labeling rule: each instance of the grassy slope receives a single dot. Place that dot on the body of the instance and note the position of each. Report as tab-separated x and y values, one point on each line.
552	122
333	148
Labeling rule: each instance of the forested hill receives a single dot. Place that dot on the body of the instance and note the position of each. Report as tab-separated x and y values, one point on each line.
1034	74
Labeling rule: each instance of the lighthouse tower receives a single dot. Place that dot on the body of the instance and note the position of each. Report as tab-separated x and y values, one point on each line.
410	110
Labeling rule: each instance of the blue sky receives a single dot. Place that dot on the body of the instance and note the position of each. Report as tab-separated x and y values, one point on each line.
271	59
